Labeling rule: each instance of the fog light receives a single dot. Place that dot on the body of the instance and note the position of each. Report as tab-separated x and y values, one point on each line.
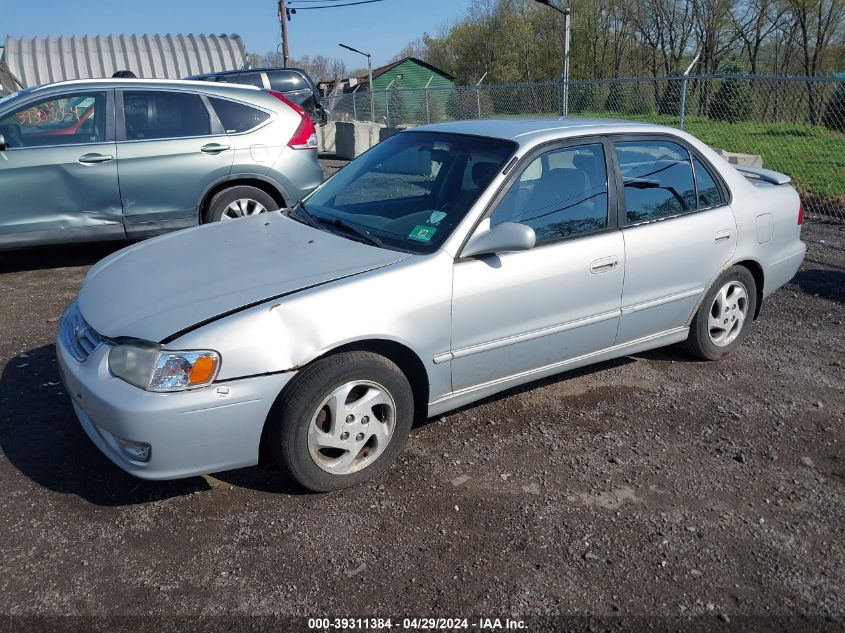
135	451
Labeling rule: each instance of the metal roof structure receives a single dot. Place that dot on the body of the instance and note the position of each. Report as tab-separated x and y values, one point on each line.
40	60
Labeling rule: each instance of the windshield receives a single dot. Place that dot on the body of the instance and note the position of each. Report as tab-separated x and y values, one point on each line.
411	190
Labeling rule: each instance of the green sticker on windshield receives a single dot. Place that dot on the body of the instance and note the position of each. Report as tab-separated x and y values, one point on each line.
422	233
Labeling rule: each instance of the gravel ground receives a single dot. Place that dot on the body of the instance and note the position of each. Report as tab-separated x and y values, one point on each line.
653	485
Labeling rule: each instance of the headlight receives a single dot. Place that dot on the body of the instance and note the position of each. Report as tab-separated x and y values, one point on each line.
149	367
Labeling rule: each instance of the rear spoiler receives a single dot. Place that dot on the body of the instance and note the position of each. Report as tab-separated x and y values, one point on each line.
766	175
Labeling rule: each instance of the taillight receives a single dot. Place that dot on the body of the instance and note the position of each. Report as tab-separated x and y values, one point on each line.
305	136
800	214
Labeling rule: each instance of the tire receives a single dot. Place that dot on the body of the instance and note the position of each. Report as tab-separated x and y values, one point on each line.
238	201
734	297
306	436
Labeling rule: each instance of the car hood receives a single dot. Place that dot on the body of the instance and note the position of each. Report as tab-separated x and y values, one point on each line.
157	288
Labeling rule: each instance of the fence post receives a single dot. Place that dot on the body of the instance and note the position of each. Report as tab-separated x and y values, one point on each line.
559	91
478	93
684	89
354	108
425	94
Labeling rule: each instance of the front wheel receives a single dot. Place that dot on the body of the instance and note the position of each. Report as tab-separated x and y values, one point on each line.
724	317
342	422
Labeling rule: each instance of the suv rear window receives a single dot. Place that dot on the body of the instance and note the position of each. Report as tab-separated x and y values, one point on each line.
250	79
237	117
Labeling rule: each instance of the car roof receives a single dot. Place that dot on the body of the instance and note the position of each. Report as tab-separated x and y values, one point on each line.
531	131
117	82
262	69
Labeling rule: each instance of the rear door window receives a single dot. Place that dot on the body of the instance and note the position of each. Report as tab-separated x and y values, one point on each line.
237	117
657	178
709	194
151	115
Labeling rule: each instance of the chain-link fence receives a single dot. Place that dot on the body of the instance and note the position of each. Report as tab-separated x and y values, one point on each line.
796	124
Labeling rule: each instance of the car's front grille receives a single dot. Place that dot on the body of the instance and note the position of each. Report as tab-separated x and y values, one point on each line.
78	337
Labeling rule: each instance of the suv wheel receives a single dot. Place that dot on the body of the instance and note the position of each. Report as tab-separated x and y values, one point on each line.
238	202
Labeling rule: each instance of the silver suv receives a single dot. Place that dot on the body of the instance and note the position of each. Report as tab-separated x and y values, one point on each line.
108	159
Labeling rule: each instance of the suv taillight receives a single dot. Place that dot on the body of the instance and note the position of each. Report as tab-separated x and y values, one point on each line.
305	136
800	214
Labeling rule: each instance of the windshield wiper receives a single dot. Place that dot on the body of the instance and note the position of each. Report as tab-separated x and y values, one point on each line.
351	228
300	211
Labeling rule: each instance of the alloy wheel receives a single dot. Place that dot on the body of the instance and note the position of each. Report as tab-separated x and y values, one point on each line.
728	313
351	427
242	207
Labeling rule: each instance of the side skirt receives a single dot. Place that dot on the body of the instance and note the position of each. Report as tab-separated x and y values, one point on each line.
477	392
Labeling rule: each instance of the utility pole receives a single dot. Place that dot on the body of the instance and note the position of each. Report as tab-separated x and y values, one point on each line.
283	16
564	76
567	30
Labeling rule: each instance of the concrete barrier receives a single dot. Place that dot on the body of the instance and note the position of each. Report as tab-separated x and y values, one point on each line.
387	132
746	160
353	139
326	138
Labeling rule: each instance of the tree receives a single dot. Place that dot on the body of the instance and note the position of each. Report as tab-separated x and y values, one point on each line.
834	113
584	97
516	41
756	21
434	111
616	98
670	99
818	22
735	100
396	112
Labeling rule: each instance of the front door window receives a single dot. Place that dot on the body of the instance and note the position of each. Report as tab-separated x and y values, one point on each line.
64	120
561	194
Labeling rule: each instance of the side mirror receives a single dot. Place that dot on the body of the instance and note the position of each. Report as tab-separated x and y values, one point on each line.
503	238
2	143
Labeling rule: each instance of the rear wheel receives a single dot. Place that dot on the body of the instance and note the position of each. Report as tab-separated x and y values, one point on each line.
342	422
237	202
724	317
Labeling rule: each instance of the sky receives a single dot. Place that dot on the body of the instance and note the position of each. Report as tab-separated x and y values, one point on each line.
382	28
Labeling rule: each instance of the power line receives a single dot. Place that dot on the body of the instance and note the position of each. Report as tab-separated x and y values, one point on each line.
332	6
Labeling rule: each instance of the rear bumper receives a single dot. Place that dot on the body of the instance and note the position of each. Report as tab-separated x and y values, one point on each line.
782	271
189	433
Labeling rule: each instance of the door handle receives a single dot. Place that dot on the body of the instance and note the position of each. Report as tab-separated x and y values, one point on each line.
722	236
94	159
213	148
604	265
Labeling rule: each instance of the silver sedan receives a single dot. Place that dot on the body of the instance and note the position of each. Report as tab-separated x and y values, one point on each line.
448	263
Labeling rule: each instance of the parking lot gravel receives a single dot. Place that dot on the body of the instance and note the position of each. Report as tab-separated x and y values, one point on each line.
654	485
